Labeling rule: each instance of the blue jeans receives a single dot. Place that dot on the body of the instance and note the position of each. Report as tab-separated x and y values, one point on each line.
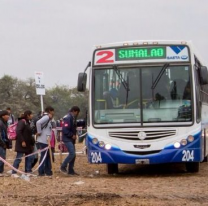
45	168
2	155
70	159
28	162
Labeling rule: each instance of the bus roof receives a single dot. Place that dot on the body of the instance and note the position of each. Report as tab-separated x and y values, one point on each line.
144	42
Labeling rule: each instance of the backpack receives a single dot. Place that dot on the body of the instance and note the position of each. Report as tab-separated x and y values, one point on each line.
33	124
11	131
34	121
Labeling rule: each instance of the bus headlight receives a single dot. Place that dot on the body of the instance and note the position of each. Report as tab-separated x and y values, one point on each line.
183	142
177	144
190	138
101	144
94	140
107	146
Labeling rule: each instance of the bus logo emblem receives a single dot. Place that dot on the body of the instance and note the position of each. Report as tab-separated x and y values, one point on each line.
142	135
177	49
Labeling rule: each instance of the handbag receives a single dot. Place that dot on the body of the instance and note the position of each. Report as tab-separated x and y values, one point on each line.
62	147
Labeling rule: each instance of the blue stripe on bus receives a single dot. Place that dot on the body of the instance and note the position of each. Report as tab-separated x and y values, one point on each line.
167	155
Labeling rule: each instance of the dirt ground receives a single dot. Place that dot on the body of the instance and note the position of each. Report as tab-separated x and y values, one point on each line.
134	185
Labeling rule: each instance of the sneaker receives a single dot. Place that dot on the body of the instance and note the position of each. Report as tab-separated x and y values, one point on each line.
41	175
9	172
73	174
63	171
15	176
49	176
25	177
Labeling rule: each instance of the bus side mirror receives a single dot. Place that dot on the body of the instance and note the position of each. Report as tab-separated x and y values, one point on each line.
204	75
82	81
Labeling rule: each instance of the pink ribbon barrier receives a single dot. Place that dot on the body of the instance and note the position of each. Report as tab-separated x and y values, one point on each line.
19	171
36	152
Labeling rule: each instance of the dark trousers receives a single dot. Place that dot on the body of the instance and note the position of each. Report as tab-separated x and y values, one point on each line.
70	159
28	162
45	168
2	155
35	157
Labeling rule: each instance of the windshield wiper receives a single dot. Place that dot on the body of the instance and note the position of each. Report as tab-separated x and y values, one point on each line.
123	81
159	75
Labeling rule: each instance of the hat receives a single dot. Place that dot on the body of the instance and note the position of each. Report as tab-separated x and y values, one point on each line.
3	113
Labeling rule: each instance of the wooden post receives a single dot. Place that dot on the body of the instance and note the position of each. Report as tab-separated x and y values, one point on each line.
60	151
60	157
50	152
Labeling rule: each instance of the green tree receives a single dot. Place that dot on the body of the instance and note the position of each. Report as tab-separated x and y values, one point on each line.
62	99
21	95
17	94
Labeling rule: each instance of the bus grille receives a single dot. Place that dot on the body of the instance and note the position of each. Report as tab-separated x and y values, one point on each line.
142	152
147	134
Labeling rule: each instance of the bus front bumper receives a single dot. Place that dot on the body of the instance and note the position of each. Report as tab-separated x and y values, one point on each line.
114	155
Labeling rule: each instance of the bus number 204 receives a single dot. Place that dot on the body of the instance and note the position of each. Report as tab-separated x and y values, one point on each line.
96	157
188	155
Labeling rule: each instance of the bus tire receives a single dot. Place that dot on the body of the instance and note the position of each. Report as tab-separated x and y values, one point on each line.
112	168
192	167
205	159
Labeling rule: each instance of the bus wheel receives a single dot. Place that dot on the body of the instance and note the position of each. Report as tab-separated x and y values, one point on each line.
205	159
112	168
192	166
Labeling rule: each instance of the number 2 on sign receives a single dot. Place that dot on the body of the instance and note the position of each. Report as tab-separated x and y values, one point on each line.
106	55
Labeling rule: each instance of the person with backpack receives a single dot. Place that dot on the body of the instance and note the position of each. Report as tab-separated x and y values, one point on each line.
44	129
4	141
69	139
11	116
24	143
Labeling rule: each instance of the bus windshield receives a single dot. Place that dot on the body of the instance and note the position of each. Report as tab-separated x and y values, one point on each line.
142	94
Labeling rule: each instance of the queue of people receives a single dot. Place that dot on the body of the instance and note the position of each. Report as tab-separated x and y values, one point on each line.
28	140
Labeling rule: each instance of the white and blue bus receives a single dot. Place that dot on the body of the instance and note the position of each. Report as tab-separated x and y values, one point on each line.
148	104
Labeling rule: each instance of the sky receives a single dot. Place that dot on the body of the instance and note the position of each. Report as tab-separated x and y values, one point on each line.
56	37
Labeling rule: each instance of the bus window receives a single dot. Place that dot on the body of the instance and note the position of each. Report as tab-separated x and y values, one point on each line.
170	98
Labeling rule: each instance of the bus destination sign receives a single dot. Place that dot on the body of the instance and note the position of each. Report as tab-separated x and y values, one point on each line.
140	53
146	54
